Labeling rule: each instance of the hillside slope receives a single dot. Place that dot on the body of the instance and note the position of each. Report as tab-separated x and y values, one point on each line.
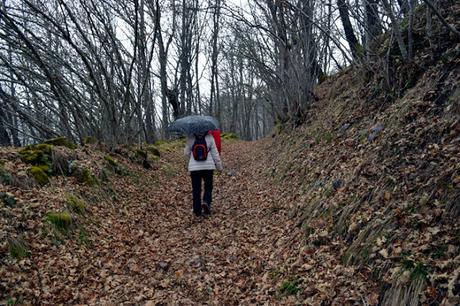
375	174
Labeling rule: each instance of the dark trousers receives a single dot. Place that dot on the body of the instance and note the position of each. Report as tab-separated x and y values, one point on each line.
197	177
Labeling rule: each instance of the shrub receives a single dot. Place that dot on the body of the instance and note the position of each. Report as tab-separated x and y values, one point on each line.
18	248
39	174
60	142
5	176
76	204
7	199
62	221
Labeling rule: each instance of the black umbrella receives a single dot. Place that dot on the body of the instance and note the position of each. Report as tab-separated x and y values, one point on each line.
194	125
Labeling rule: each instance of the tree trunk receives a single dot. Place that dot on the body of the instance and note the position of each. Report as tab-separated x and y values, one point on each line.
355	47
373	27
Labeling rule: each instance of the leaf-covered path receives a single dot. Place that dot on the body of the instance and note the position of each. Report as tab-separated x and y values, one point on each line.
157	252
146	248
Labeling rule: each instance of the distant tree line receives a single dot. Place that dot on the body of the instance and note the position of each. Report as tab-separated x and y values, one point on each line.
121	71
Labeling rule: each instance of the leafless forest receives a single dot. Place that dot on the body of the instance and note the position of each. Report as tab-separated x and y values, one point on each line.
121	71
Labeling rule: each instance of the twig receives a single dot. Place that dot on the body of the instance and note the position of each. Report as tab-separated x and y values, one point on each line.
444	21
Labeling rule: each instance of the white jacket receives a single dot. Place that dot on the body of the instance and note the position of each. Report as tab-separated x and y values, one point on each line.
213	161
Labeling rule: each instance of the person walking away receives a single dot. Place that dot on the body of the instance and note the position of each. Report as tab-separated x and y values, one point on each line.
204	158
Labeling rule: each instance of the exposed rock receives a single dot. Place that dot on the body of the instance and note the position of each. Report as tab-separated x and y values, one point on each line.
336	184
375	131
343	129
163	265
196	261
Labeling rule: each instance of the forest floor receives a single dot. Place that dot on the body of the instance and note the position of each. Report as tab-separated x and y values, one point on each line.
147	248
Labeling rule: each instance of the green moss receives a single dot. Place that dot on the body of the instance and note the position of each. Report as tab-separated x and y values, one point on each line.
329	191
36	155
153	150
7	199
160	142
229	136
140	154
109	159
60	142
62	221
83	175
76	204
18	248
89	140
169	146
115	166
362	136
15	301
44	147
40	176
328	138
289	288
154	157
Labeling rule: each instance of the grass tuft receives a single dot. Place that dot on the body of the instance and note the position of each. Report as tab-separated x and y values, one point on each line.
18	248
76	204
290	287
62	221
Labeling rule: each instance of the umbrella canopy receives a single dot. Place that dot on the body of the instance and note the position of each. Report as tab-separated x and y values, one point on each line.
194	125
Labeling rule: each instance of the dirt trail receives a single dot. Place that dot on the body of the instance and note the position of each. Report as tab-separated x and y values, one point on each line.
159	253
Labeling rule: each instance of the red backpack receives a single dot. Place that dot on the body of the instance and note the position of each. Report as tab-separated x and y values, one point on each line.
216	135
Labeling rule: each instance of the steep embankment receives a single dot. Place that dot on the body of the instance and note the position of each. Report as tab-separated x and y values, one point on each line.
375	174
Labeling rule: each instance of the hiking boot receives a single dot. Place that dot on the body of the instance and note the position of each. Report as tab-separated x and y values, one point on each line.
206	208
197	213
